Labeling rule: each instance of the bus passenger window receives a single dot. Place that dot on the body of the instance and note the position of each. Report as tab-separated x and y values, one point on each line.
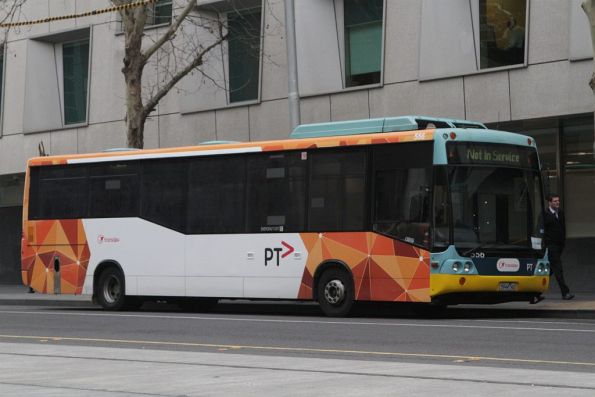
216	195
276	199
164	193
337	191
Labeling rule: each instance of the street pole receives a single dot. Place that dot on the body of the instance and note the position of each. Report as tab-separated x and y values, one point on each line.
293	96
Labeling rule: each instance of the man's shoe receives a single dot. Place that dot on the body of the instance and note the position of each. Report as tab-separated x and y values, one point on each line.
568	296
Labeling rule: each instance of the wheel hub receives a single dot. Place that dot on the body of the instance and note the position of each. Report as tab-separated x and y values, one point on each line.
334	292
112	290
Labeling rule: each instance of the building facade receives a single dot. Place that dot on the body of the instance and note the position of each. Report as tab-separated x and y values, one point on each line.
519	65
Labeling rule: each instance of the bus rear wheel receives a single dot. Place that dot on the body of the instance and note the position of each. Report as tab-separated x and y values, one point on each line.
110	289
335	293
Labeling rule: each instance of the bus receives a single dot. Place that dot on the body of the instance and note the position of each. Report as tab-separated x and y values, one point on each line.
397	209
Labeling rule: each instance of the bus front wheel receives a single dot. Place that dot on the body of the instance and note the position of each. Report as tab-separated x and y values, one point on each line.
110	289
335	293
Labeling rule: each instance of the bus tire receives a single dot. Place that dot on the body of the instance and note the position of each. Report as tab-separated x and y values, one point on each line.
110	289
335	293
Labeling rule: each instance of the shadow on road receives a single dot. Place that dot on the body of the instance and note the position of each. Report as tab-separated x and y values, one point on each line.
360	310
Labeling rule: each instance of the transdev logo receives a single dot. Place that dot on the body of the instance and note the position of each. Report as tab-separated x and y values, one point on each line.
508	265
102	239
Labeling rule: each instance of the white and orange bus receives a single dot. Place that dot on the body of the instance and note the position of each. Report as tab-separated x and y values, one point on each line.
405	209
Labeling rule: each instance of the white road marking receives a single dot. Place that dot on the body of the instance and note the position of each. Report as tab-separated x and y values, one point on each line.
285	321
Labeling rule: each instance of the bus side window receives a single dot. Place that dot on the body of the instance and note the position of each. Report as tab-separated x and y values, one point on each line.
114	190
216	195
401	199
163	193
337	190
59	192
441	235
276	192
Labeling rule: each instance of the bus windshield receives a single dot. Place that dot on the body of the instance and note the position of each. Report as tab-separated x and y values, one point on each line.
492	208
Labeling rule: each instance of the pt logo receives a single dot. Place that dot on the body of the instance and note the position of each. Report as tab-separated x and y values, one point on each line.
274	253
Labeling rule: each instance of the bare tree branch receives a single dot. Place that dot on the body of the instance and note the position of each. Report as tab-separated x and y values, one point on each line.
178	76
173	28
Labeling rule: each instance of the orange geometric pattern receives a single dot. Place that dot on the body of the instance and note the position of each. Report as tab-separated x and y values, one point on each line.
50	241
383	269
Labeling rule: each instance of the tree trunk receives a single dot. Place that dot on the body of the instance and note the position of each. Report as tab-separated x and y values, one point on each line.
134	63
135	119
134	18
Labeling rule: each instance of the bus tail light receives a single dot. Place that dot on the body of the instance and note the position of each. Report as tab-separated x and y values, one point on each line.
435	265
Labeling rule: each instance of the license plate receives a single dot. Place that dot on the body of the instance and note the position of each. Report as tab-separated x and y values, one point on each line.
508	286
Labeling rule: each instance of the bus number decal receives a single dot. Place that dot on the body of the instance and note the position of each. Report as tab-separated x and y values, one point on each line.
478	255
269	253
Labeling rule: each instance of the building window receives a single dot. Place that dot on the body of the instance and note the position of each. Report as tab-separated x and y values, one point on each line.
57	80
473	35
502	32
244	54
363	42
579	176
75	62
565	146
159	13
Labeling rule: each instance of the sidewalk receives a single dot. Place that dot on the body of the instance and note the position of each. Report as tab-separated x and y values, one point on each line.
582	306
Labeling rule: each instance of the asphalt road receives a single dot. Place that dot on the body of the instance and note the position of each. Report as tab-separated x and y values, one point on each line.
530	354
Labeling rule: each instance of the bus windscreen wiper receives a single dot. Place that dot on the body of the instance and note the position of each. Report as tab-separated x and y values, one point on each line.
470	250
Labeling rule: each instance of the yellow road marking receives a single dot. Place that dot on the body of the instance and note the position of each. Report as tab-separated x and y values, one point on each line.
298	350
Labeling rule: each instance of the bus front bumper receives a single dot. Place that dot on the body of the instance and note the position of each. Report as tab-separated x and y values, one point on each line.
454	289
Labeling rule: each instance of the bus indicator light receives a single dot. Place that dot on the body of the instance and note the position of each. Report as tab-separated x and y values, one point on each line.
529	141
462	281
435	265
453	135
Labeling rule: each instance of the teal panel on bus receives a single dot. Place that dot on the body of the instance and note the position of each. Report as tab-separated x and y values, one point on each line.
353	127
441	136
378	125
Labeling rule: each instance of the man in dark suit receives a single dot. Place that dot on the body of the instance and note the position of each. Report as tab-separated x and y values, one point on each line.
555	237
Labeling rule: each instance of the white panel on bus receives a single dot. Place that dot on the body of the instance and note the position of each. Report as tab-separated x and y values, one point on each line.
264	258
152	253
271	287
219	287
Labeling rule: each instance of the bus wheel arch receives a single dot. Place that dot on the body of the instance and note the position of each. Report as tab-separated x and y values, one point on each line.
109	285
334	288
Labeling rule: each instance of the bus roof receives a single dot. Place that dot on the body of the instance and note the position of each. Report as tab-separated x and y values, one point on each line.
241	147
386	124
307	136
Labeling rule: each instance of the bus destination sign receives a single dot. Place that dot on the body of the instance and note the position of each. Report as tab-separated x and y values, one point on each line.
491	154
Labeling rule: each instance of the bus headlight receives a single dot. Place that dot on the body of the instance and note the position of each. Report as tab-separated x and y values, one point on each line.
467	267
456	267
542	268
